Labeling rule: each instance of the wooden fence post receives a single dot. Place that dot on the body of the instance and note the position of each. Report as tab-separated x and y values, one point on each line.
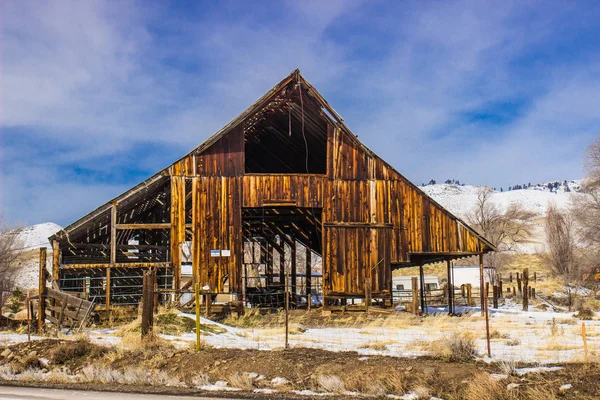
510	277
42	291
519	285
533	293
148	303
525	290
415	295
469	295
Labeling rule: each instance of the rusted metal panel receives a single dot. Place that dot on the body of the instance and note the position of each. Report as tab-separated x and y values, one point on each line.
299	190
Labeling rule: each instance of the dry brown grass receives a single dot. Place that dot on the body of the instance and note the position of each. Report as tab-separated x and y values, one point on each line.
241	380
483	387
454	347
81	347
331	384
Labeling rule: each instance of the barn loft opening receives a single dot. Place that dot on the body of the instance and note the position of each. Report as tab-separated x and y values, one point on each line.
287	136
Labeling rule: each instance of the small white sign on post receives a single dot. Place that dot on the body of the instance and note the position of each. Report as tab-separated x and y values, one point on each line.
215	253
225	253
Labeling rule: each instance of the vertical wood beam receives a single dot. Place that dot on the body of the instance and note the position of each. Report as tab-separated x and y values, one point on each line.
481	294
450	288
269	266
177	226
308	277
422	287
195	235
293	265
281	252
42	291
55	260
113	251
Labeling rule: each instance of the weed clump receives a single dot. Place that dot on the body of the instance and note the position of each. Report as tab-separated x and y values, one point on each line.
68	351
456	347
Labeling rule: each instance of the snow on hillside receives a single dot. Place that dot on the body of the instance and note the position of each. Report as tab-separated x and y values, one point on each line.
460	200
29	239
36	236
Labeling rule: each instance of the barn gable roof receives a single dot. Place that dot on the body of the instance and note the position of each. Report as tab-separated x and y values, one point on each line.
327	112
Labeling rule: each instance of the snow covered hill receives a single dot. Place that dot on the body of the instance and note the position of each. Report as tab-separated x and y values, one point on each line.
36	236
460	200
29	240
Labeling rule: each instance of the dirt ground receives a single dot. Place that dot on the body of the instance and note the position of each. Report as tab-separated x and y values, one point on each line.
302	369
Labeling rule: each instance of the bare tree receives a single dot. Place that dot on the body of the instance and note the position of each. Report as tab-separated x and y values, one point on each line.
10	246
560	239
586	204
505	229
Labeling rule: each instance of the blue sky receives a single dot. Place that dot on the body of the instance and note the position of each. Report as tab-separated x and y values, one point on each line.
96	96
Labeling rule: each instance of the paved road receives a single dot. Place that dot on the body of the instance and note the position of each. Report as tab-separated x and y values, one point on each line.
24	393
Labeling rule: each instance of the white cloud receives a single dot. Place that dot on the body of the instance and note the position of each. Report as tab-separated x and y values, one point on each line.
92	80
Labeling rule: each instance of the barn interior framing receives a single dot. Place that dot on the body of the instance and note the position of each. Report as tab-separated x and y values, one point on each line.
286	177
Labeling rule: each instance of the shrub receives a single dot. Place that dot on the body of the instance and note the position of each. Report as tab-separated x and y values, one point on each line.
584	314
456	347
241	380
68	351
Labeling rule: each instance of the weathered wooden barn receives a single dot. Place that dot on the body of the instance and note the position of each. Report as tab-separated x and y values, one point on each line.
286	174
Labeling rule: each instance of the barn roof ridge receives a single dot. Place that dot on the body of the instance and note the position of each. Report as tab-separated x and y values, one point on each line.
294	76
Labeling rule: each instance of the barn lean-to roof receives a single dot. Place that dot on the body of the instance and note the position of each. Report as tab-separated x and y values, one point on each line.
328	112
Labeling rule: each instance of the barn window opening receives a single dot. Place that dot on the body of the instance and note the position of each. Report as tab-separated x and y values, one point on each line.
289	135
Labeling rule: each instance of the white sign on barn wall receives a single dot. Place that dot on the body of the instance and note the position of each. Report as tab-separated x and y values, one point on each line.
220	253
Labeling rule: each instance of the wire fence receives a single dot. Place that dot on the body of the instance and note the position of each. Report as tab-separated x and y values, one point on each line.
534	336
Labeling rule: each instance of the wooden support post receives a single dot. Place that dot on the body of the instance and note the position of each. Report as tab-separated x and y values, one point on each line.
422	287
208	301
519	284
155	287
415	295
269	266
195	241
463	290
148	303
450	288
42	291
197	299
510	277
469	295
534	276
293	265
281	252
113	254
525	290
487	321
533	293
367	294
481	282
55	260
287	313
309	276
177	225
28	304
